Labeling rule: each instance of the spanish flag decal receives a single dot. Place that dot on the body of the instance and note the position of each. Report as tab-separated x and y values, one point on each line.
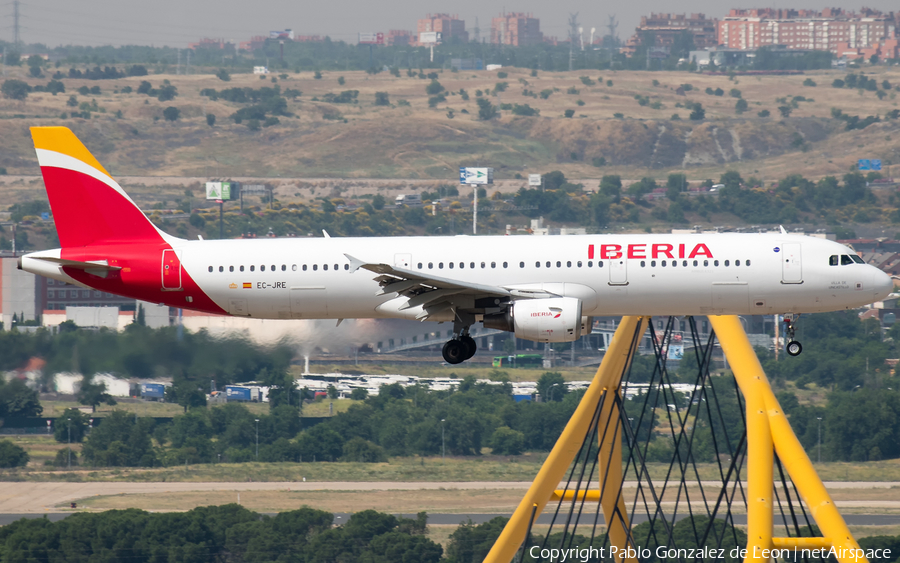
248	285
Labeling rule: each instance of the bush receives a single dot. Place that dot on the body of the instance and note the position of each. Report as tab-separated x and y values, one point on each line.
506	441
764	113
62	458
360	450
359	393
740	106
211	119
12	455
433	88
502	74
171	113
223	75
486	110
809	82
15	89
569	112
524	109
382	99
698	113
253	124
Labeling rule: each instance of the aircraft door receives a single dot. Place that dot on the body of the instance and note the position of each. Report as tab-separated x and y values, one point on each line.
171	270
791	266
403	261
618	271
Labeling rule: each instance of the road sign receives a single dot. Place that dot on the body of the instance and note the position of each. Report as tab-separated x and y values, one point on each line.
865	164
534	179
429	37
876	164
476	176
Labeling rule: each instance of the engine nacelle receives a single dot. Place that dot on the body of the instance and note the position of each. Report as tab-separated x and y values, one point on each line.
557	319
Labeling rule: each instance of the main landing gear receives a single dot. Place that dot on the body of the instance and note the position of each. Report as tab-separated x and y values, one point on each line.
792	347
462	346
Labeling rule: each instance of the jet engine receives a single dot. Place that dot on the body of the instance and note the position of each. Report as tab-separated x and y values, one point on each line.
557	319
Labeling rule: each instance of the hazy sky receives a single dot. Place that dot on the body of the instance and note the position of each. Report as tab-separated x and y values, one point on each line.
178	22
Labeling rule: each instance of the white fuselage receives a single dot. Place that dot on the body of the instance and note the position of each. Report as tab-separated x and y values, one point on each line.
622	274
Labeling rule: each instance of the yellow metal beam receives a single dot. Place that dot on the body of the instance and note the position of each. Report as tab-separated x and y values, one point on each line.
758	394
801	543
609	436
564	451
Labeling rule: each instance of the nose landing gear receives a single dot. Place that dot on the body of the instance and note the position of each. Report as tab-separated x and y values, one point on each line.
793	348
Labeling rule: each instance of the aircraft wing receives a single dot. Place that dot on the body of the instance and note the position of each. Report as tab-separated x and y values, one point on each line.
433	293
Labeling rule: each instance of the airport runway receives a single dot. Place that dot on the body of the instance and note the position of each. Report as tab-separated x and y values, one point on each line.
456	519
41	497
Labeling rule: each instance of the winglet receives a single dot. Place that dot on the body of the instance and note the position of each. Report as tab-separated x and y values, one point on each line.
324	232
355	263
782	229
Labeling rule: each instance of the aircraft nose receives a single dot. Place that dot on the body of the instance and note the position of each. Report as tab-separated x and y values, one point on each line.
883	284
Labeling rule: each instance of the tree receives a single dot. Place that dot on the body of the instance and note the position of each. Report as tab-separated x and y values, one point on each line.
741	106
698	113
360	450
486	110
341	80
381	99
18	400
12	455
171	113
378	202
611	186
211	119
569	113
223	75
93	394
123	440
13	89
551	386
434	88
506	441
675	184
359	394
785	110
71	420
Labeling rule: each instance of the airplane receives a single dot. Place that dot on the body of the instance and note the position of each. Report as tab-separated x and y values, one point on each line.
544	289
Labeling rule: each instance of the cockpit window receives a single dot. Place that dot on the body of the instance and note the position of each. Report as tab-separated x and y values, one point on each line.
845	259
857	259
833	260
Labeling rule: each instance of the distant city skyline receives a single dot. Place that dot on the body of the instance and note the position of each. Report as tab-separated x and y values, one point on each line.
177	23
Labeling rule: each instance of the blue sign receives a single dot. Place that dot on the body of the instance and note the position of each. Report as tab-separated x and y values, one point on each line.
45	216
462	175
864	164
876	164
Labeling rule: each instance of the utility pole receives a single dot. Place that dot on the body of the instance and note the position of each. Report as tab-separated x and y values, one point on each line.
178	64
442	439
15	25
257	439
573	37
68	449
188	71
819	447
613	38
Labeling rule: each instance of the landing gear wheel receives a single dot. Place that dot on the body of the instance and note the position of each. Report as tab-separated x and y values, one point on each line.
794	348
455	352
470	345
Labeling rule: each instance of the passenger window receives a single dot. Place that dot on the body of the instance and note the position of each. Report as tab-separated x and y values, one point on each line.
726	263
221	268
273	267
521	264
325	267
695	263
450	265
746	262
846	260
599	263
493	264
283	267
558	264
663	263
462	265
548	264
262	268
440	265
252	268
210	268
833	260
537	264
472	265
653	263
242	268
590	263
304	267
420	265
674	263
505	264
315	267
737	262
482	265
335	267
346	266
568	264
684	263
715	263
230	268
294	268
643	263
706	263
579	263
857	259
430	265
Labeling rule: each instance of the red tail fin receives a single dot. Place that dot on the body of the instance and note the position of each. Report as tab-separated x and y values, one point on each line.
88	206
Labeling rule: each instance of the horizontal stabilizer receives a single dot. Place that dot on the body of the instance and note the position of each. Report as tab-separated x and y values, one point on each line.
99	268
